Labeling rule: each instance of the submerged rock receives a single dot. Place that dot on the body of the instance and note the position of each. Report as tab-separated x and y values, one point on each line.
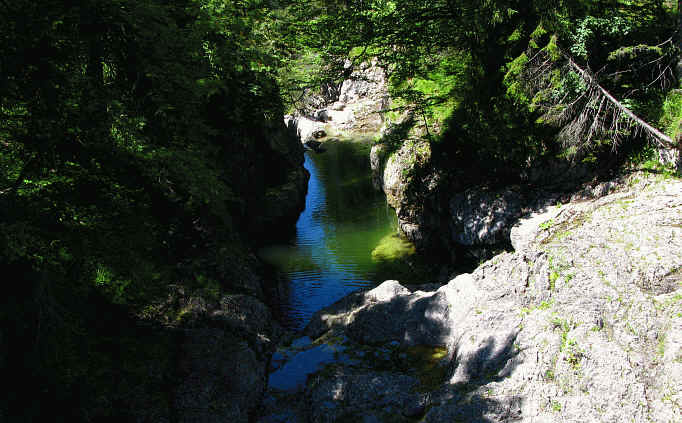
393	247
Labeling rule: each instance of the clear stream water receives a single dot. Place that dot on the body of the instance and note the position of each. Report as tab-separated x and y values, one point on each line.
344	220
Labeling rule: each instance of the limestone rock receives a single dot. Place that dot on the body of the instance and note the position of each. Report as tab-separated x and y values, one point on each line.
412	192
274	195
223	379
582	323
481	217
338	106
304	127
315	146
671	157
377	157
439	212
319	133
283	203
323	115
223	358
528	229
360	396
354	110
366	83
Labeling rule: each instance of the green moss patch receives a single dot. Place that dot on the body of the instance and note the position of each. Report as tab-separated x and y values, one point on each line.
393	247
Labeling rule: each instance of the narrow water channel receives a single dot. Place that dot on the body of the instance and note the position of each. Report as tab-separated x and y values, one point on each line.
345	238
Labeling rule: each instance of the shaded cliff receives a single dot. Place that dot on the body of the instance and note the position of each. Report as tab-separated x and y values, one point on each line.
160	314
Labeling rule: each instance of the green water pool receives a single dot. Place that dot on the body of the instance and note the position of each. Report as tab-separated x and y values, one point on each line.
345	221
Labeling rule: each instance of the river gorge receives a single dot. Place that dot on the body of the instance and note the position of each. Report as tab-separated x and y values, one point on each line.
345	239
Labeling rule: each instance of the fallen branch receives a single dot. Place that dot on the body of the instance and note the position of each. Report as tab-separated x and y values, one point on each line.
586	113
662	139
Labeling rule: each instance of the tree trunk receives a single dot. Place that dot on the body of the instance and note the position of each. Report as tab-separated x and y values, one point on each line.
94	104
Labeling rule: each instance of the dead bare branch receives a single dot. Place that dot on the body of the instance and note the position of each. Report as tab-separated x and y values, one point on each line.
592	111
662	139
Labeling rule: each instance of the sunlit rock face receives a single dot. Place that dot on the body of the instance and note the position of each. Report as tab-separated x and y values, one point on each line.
303	126
581	324
353	110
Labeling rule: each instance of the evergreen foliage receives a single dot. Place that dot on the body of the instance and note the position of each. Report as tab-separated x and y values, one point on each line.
496	113
126	129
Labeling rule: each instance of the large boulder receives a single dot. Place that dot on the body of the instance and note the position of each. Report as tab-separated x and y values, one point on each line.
319	133
223	357
304	127
412	189
483	217
223	378
583	324
323	115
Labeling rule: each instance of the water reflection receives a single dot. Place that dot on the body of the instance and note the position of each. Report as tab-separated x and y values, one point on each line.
344	220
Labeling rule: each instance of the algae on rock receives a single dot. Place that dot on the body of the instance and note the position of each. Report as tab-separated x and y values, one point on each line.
393	247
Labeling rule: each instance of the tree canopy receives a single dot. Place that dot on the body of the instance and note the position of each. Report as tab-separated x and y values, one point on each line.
504	110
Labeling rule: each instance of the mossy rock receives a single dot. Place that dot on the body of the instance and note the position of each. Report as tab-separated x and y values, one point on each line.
393	247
